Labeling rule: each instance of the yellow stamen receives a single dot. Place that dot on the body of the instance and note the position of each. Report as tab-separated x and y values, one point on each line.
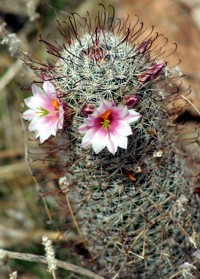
55	104
105	115
106	122
42	112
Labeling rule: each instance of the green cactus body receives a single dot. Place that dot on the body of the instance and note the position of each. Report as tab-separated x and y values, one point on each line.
136	209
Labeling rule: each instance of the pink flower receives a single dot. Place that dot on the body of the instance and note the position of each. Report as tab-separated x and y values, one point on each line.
108	126
45	111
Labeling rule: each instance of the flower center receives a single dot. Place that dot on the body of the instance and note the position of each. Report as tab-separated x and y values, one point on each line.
105	116
55	104
42	112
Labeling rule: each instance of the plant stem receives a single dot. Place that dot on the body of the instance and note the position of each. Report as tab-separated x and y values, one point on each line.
60	264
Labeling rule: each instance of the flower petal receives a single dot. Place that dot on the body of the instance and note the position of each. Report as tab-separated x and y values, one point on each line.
36	90
30	102
42	135
132	116
112	147
61	117
120	112
121	127
34	102
35	123
29	114
49	89
119	140
87	139
83	128
99	140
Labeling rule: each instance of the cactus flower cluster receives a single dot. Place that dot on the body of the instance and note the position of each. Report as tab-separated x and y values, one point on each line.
108	125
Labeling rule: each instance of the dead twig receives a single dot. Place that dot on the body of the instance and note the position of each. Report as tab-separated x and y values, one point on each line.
60	264
10	74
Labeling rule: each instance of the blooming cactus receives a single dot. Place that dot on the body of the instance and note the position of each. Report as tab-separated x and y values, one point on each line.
126	200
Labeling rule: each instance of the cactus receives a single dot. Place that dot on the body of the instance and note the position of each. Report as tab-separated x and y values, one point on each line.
135	208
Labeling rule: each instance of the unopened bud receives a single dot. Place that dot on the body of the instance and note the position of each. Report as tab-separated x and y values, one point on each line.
131	101
152	73
87	110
